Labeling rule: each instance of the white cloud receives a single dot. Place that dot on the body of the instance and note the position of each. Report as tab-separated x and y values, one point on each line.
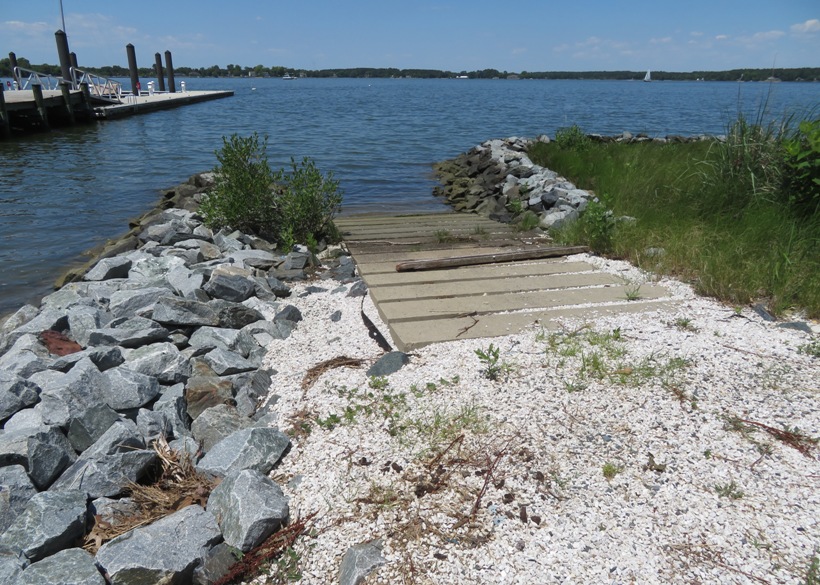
696	34
519	50
26	28
809	27
721	37
771	35
661	40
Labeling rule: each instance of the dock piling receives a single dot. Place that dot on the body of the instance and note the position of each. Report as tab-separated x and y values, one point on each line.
13	65
132	67
158	69
42	111
169	65
5	126
65	89
64	56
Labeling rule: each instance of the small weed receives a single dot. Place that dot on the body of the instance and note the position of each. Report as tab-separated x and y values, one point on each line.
379	383
528	221
490	358
286	568
515	206
707	453
610	470
813	570
479	231
444	237
575	387
329	423
811	349
684	324
633	292
730	490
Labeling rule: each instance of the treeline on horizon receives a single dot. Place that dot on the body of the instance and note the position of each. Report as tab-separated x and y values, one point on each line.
790	74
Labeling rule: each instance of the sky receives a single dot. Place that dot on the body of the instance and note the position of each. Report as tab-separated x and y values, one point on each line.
452	35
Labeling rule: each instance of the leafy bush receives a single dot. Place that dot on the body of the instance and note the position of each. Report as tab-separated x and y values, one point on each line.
801	175
285	207
572	138
242	197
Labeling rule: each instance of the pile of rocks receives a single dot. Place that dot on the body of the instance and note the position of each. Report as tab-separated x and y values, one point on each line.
497	179
165	340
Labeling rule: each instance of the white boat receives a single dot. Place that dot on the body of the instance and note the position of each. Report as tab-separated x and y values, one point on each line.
647	77
288	76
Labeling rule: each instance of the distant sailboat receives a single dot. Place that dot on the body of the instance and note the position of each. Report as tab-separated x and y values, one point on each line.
647	77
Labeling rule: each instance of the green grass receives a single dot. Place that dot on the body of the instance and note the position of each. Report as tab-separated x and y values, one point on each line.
724	224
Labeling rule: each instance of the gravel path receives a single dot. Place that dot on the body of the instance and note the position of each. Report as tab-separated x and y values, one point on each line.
640	448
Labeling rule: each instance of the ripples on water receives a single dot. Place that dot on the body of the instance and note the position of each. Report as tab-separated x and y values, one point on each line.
64	192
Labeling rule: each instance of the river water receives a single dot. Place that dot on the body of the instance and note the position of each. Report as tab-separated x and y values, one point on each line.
64	192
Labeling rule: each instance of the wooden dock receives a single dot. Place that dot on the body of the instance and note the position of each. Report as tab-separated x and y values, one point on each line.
32	110
487	293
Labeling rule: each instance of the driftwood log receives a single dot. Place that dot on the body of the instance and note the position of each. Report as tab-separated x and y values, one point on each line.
535	254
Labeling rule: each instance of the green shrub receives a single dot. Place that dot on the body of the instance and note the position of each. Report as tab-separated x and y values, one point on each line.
572	138
285	207
801	176
242	197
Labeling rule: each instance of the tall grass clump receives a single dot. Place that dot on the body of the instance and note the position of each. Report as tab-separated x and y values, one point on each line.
739	218
283	206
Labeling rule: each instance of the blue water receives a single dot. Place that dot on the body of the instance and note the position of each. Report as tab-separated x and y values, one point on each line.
64	192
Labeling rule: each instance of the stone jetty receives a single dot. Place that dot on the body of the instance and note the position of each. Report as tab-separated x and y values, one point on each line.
161	338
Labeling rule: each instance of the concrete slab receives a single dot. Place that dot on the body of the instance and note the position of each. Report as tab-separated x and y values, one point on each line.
534	268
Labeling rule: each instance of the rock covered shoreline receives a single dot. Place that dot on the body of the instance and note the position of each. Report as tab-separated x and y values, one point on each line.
161	336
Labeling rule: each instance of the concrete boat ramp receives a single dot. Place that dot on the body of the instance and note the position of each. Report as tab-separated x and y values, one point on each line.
447	276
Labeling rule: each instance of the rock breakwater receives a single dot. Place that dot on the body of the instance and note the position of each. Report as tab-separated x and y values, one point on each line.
162	337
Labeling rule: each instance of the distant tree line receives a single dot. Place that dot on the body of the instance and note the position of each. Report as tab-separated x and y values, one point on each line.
232	70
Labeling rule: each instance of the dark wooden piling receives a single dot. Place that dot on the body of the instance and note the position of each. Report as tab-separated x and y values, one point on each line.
42	111
169	65
132	67
87	109
65	89
73	56
64	56
158	69
5	126
13	65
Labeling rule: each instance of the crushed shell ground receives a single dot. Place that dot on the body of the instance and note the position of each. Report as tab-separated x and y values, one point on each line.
639	448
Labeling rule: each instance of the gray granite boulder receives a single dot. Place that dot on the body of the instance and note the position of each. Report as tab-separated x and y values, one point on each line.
26	357
16	393
28	418
389	363
249	507
231	283
16	490
50	522
109	465
72	394
251	389
128	332
128	303
235	315
289	313
72	566
216	423
254	448
173	404
181	312
89	425
104	357
11	567
153	425
82	319
215	564
202	392
359	561
107	268
126	389
225	363
185	282
210	337
43	452
161	360
113	511
166	551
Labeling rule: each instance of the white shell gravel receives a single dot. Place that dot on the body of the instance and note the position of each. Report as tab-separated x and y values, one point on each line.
722	503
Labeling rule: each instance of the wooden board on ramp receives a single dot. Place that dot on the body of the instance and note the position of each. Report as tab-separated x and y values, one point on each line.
492	296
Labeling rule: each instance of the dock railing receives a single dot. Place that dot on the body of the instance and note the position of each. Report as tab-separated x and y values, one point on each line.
101	87
29	77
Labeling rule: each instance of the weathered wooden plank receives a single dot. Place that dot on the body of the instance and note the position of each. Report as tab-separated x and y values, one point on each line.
491	285
435	264
481	272
425	309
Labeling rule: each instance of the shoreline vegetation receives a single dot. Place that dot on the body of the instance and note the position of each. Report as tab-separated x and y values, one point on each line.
261	71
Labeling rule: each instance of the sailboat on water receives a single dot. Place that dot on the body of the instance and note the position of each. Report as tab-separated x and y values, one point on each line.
648	76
